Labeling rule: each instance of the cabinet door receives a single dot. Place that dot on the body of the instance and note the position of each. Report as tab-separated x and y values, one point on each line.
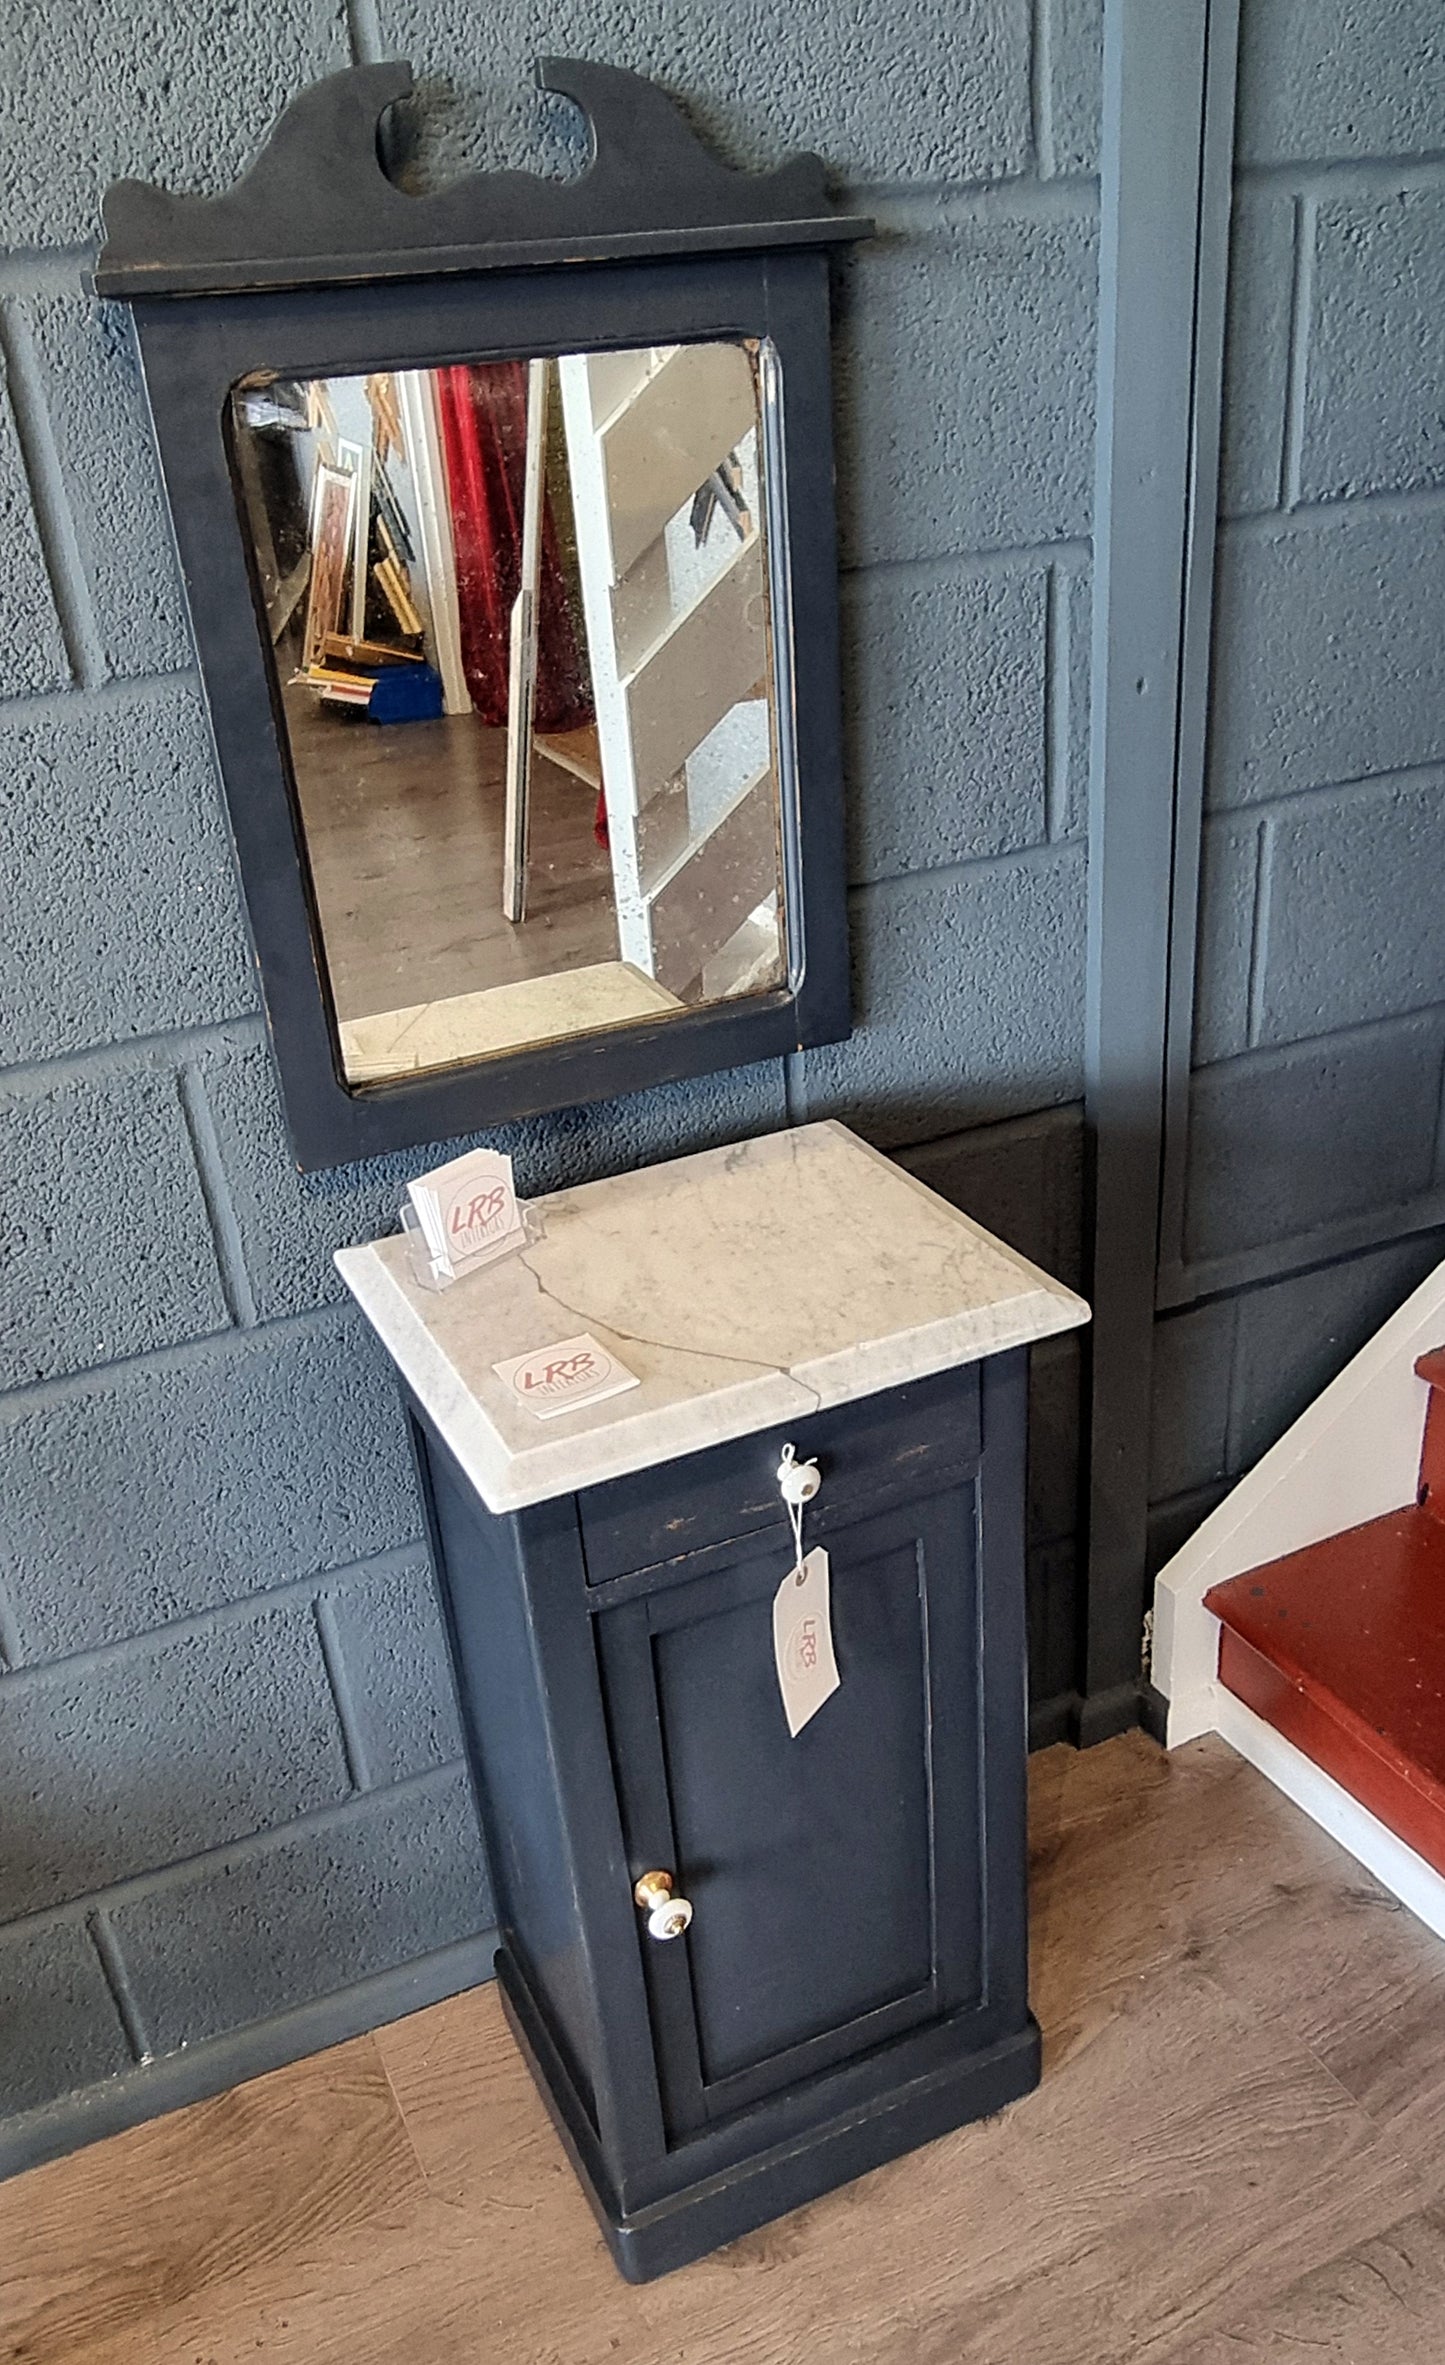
836	1878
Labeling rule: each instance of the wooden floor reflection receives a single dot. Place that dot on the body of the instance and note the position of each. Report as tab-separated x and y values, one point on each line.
404	828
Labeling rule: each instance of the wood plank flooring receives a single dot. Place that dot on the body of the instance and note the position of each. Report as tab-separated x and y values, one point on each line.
1235	2158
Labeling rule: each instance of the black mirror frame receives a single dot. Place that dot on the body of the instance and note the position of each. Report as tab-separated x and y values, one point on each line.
317	264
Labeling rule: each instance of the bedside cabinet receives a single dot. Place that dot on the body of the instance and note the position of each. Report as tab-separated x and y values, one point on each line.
743	1966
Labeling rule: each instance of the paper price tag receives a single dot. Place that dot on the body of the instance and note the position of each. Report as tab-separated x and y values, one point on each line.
803	1641
561	1378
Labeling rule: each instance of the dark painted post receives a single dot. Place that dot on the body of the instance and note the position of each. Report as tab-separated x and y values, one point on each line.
1167	140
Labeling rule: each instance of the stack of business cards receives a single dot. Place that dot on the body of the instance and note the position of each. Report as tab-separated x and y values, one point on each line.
466	1213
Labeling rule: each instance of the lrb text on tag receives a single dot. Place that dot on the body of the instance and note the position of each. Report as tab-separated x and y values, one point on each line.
803	1640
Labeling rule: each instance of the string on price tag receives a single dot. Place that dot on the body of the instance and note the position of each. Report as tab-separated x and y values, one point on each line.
798	1482
803	1654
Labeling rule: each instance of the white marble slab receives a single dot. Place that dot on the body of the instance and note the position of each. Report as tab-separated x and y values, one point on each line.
744	1286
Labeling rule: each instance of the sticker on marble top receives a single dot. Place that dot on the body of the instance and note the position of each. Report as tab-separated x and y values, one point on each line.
564	1376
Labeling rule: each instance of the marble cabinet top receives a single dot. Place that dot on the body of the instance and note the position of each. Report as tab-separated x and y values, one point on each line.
743	1286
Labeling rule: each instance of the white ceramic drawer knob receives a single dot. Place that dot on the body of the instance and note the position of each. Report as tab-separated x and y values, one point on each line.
798	1482
667	1915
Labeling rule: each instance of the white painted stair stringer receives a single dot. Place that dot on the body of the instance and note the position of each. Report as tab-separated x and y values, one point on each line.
1397	1867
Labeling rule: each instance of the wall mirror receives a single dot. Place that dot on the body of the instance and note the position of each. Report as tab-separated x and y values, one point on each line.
519	615
505	517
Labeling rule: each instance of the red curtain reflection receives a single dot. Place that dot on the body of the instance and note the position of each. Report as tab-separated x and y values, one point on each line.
483	408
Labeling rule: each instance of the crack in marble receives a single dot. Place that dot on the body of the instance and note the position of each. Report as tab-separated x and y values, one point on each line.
752	1364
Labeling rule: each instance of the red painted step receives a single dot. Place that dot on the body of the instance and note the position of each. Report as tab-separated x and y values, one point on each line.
1341	1647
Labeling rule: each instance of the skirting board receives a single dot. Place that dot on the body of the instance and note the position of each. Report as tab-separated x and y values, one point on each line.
216	2063
1397	1868
1085	1722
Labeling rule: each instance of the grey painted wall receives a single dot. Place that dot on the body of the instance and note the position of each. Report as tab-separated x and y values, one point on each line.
228	1760
1308	1193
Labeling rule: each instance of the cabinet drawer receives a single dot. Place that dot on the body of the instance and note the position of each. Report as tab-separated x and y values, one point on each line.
875	1453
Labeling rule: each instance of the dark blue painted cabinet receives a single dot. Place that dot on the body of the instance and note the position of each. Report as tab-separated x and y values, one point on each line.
853	1980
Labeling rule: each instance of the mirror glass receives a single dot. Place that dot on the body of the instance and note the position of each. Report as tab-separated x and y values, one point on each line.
519	618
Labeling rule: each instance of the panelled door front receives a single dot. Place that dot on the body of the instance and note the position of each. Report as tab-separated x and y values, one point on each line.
836	1877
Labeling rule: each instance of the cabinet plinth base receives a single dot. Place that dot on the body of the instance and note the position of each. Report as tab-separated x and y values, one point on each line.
701	2217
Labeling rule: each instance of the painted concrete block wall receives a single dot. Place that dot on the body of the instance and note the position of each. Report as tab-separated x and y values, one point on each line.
229	1776
1310	1189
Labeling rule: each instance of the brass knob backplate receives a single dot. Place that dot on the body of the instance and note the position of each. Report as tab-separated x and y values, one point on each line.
667	1914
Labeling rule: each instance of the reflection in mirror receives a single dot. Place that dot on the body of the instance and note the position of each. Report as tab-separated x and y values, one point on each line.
519	615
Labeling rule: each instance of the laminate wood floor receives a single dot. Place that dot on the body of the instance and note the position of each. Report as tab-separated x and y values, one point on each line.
1235	2158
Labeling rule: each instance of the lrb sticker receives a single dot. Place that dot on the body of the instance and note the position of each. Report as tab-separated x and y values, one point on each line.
563	1377
803	1640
